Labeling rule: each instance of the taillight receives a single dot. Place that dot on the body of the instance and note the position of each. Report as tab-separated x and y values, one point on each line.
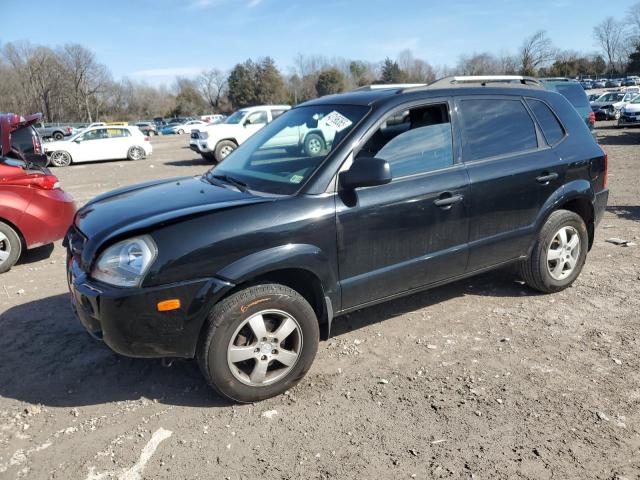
69	130
146	138
45	182
592	118
37	146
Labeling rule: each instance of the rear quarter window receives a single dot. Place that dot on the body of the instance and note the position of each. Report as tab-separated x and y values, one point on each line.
493	127
551	127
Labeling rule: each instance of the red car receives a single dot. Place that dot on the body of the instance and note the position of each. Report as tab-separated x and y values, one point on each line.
34	210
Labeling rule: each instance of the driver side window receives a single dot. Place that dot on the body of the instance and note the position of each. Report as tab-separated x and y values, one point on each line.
94	134
413	141
257	118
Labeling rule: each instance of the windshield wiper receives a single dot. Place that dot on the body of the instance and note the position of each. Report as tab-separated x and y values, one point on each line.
239	184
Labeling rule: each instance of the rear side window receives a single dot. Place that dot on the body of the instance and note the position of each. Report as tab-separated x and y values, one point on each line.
551	128
494	127
574	93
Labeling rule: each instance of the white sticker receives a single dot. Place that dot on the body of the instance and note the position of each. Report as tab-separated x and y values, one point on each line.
296	178
336	121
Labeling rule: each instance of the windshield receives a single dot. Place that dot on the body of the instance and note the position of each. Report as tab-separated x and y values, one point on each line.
284	154
574	93
236	117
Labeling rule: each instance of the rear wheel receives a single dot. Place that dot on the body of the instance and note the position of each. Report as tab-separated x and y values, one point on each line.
559	254
180	132
224	149
60	158
10	247
58	135
258	342
314	145
136	153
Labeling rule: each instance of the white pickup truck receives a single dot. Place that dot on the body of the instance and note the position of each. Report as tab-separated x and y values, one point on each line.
216	142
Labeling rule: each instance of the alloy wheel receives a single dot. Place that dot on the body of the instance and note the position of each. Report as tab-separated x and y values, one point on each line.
563	253
264	348
225	151
61	159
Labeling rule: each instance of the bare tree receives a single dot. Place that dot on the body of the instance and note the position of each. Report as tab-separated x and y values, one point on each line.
213	84
536	51
416	70
609	35
633	19
478	64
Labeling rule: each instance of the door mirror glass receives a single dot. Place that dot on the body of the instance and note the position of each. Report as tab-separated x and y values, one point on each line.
366	172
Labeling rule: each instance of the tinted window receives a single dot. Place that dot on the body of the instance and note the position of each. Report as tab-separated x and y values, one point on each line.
276	113
548	122
574	93
496	127
414	141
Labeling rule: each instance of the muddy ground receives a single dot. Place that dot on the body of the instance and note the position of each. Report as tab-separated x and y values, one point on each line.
483	378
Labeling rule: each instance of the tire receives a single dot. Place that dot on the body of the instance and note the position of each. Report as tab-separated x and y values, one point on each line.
224	148
180	132
314	145
269	306
58	135
60	158
10	247
549	275
136	153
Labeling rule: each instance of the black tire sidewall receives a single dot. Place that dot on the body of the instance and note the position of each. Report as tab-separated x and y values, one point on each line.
554	223
242	307
16	247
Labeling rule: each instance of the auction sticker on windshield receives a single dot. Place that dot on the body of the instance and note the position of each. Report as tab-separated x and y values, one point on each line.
336	121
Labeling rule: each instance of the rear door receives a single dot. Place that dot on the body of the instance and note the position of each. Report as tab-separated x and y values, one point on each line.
512	172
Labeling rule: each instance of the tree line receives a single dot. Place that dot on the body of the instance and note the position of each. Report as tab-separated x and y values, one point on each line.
68	83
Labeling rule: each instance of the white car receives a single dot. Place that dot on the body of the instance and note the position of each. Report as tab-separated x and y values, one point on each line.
216	142
182	128
630	114
100	143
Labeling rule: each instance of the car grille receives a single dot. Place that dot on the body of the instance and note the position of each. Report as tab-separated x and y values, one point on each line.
194	134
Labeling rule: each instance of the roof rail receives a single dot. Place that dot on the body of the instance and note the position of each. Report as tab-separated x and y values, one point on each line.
386	86
456	81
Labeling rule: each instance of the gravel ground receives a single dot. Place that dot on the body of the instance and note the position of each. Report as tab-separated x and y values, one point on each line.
482	378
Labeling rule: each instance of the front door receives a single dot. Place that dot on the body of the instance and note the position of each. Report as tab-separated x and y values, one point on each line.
413	231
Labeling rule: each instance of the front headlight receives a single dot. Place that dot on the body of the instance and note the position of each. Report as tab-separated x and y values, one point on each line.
124	264
203	135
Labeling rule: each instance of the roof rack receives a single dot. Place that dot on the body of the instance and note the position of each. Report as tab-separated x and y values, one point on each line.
513	80
387	86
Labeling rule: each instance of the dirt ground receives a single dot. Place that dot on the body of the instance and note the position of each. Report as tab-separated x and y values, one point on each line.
482	378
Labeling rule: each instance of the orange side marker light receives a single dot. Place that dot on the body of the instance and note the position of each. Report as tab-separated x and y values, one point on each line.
168	305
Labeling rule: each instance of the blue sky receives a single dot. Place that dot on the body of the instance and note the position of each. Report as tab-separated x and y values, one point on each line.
154	40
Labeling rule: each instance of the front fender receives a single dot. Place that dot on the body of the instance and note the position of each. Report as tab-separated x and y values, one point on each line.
291	256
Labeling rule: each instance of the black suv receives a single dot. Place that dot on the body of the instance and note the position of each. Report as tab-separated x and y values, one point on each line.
241	267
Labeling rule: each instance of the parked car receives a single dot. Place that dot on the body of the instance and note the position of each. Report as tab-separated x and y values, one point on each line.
613	83
573	92
630	114
586	84
608	106
34	210
242	266
213	118
100	143
216	142
26	143
593	96
148	128
182	128
57	132
599	84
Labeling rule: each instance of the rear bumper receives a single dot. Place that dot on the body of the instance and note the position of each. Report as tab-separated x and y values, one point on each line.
127	318
600	205
47	218
625	121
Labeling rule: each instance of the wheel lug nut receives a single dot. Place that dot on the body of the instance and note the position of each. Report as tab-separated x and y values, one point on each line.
256	350
264	357
274	352
264	339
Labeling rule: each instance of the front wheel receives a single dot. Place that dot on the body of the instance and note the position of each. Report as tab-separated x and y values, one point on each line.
224	149
559	253
258	342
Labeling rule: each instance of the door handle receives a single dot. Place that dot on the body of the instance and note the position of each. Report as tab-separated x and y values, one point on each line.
547	177
446	200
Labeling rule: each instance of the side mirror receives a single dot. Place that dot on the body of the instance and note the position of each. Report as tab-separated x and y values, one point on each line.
77	140
246	122
366	172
